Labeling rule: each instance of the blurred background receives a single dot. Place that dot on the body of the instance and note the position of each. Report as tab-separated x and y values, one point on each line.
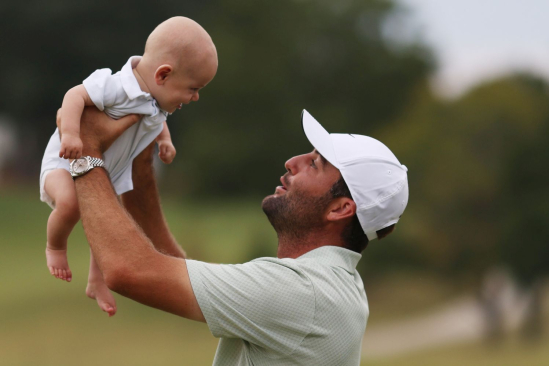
457	89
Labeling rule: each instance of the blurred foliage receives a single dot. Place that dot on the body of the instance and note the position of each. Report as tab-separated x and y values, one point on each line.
477	182
275	58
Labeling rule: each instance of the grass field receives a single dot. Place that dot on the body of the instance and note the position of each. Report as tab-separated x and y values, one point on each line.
44	321
510	353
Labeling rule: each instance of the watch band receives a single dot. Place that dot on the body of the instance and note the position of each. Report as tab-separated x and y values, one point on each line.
96	162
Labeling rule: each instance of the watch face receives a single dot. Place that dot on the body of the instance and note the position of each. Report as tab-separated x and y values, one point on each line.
80	166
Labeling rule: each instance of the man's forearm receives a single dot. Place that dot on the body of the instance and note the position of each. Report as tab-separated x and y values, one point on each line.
106	222
130	264
143	203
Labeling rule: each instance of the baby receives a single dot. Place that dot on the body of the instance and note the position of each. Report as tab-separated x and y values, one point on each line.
180	59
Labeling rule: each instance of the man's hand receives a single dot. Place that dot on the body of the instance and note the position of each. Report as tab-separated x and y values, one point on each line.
166	151
98	131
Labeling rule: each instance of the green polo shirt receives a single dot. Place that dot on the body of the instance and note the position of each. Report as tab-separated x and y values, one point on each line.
311	310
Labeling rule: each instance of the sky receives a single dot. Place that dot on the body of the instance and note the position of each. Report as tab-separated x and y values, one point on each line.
477	40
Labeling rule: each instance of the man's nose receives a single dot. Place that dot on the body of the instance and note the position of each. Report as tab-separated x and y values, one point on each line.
293	164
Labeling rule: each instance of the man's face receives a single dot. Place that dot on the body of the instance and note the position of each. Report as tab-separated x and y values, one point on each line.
300	204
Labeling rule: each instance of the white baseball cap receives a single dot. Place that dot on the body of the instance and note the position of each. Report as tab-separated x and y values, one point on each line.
376	179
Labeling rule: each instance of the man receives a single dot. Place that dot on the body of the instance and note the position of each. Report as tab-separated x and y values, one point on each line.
306	307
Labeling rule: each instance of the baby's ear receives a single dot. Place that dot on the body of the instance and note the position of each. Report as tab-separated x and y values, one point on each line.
162	74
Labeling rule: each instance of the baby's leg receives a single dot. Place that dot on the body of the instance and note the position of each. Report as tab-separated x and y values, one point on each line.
97	289
59	185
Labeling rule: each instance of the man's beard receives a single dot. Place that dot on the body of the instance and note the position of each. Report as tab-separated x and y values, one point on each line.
293	217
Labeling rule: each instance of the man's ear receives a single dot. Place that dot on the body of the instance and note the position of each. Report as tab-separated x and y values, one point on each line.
341	208
162	73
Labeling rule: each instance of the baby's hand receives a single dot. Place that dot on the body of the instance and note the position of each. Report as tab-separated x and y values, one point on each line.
71	147
167	151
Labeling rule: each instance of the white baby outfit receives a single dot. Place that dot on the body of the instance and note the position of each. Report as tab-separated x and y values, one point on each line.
117	95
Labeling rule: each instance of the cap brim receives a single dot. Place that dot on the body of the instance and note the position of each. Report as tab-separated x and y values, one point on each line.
318	137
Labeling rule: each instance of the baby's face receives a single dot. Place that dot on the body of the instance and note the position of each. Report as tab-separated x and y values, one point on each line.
183	87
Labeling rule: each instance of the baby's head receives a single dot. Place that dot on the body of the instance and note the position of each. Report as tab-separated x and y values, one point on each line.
180	59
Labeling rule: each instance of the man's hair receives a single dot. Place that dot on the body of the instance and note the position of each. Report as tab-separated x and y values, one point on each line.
353	235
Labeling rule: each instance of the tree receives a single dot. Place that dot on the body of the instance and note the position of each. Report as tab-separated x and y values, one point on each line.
275	58
478	196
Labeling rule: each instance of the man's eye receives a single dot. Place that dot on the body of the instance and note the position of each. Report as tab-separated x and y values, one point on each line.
313	163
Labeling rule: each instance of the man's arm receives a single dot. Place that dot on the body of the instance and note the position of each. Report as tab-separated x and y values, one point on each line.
143	203
129	263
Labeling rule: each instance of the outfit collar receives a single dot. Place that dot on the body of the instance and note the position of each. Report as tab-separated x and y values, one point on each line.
129	82
335	257
133	90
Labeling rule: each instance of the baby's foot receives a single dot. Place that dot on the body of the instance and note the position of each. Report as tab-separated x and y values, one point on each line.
58	264
99	291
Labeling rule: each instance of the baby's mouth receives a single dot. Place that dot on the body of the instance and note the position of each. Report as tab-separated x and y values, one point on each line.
180	105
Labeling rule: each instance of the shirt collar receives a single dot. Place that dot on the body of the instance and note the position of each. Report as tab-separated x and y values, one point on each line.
334	257
129	82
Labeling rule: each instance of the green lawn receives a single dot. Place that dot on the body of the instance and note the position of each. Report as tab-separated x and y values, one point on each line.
44	321
509	353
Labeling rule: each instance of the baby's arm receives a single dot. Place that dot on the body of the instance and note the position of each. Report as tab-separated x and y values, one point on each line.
165	145
73	104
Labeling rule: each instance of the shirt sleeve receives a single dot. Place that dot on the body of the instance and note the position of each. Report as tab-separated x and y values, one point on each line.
102	88
270	304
